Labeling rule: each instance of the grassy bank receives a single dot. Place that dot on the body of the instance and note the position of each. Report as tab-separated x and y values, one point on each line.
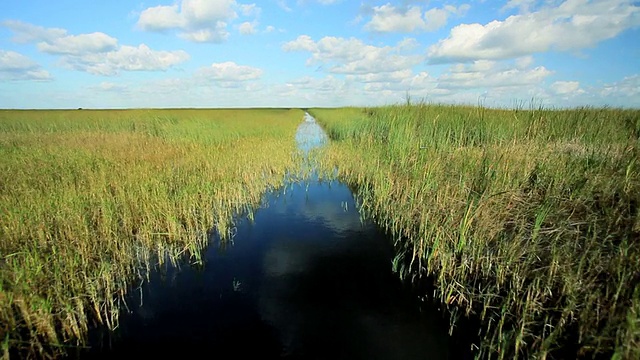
89	199
524	219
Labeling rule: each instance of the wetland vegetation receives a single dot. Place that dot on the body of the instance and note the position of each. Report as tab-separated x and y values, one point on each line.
90	200
525	220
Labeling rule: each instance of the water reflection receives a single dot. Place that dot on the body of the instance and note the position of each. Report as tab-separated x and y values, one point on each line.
305	279
309	134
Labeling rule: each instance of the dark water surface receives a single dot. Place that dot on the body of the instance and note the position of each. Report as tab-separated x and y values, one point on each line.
307	279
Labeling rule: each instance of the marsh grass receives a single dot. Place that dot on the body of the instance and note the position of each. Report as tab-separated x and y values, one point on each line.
92	199
526	220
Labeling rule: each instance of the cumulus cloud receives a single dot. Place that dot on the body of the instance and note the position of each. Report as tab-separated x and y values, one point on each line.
79	44
57	41
356	89
352	56
220	84
250	10
421	84
369	88
125	58
196	20
229	71
28	33
524	62
226	81
394	76
566	87
247	28
302	43
160	18
212	35
624	92
329	90
627	87
389	18
488	74
15	66
95	53
575	24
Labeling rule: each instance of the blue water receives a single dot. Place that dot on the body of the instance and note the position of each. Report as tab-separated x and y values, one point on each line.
307	279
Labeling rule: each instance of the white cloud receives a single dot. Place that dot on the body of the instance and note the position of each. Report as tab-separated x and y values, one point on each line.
13	61
95	53
420	85
458	11
489	74
270	29
328	91
161	18
203	12
15	66
220	84
435	19
57	41
126	58
217	35
395	76
302	43
420	81
575	24
566	87
627	87
352	56
247	28
389	18
395	89
79	44
250	10
27	33
197	20
624	93
229	72
524	62
408	44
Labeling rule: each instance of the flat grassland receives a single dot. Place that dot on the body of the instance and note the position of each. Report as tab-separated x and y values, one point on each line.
91	198
525	220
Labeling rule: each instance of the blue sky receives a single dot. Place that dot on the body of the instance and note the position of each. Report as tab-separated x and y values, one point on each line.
303	53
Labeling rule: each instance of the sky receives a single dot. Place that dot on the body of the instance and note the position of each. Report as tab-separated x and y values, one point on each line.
318	53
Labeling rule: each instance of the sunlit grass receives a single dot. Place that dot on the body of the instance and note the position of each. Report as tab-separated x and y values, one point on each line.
525	219
89	199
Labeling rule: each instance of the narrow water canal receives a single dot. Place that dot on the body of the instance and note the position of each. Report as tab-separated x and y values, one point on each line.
307	279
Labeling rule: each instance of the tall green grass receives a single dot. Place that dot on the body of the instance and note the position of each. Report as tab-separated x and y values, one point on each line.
526	220
89	199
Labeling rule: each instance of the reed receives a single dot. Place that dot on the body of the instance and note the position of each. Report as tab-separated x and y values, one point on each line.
525	220
92	199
